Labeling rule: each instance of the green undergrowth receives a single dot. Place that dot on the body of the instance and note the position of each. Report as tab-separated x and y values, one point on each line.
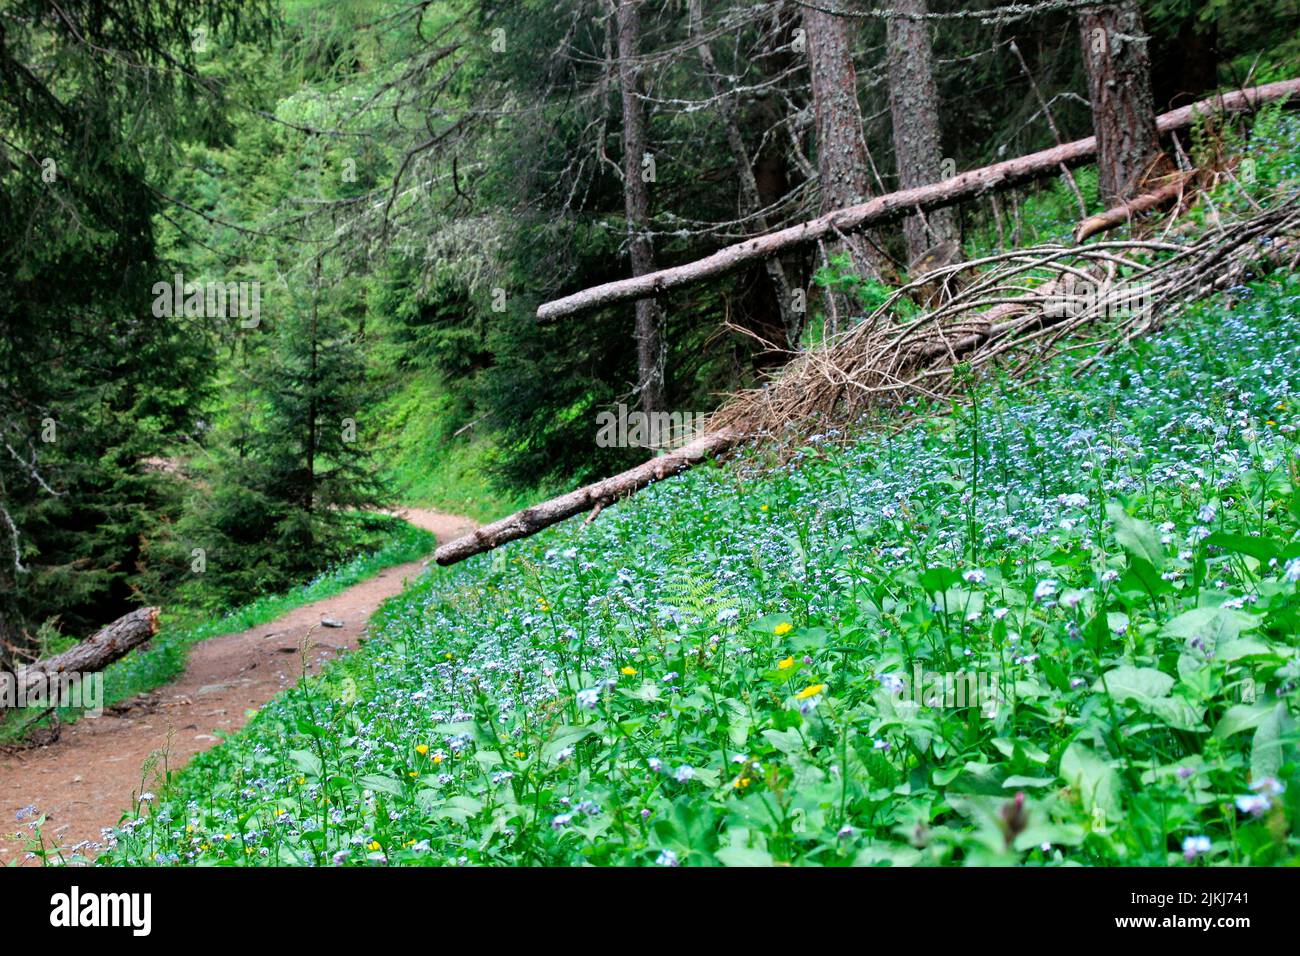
1050	626
427	463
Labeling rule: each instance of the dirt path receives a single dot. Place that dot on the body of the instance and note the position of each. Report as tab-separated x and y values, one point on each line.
85	780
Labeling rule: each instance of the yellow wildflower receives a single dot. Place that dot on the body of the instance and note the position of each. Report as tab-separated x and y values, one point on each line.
627	671
422	749
785	627
812	690
786	664
372	846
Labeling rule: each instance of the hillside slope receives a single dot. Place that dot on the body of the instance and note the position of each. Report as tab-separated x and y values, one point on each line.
1058	627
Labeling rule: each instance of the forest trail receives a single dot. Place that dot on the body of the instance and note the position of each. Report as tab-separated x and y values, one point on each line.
87	779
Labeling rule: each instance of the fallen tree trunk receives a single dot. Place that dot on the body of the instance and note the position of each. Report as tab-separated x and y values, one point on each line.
521	524
1118	215
109	643
983	324
894	206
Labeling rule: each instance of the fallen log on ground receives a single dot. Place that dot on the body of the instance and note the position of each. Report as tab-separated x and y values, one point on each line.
1019	309
521	524
109	643
895	206
1118	215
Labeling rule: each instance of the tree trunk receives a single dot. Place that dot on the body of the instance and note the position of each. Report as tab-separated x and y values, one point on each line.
1116	61
651	351
841	150
914	109
896	206
309	491
750	202
521	524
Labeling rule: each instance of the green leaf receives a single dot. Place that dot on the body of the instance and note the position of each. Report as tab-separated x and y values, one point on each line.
1269	748
786	741
1179	713
1242	717
743	856
565	736
1140	684
1096	781
1262	549
306	761
381	781
935	580
1211	628
1017	782
1135	536
1143	577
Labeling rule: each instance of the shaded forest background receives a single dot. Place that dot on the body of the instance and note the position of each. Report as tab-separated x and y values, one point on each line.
405	183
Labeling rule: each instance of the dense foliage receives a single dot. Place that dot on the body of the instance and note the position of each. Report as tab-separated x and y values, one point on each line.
739	666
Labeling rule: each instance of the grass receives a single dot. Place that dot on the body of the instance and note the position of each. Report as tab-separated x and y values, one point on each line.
431	466
1046	628
164	658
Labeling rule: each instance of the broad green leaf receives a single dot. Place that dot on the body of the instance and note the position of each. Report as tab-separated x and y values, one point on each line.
565	736
1178	712
1270	746
743	856
887	854
1139	684
306	761
381	781
1235	650
1143	577
1096	781
1209	628
1135	536
1262	549
1242	717
1017	782
935	580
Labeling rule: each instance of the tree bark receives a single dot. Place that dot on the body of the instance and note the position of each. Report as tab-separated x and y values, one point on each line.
841	149
521	524
914	110
651	351
895	206
1117	64
111	642
750	202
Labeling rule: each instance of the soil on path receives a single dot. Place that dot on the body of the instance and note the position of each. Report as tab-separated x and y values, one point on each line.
85	780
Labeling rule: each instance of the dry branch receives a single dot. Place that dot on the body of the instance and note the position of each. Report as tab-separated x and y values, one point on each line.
1015	310
894	206
1124	212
